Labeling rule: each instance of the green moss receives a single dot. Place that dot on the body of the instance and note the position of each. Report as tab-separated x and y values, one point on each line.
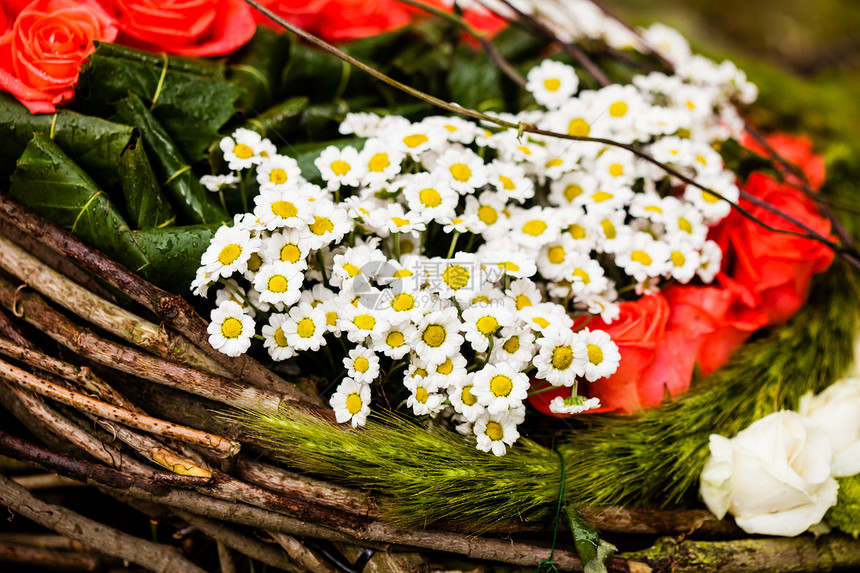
845	515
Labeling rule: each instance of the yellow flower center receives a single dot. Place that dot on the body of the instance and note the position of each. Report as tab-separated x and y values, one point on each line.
577	231
402	273
511	345
229	254
507	183
231	328
419	373
467	397
494	431
243	151
254	262
434	335
678	259
572	191
354	403
280	337
582	275
364	322
540	321
685	225
556	254
709	197
552	84
487	325
608	229
284	209
277	176
414	140
430	197
331	318
445	368
509	266
501	385
641	257
487	214
554	162
535	227
321	226
578	128
562	357
481	299
618	109
616	170
394	339
461	172
340	167
421	394
400	221
601	196
654	209
456	277
351	269
306	328
277	283
379	162
361	364
522	301
595	354
290	253
403	302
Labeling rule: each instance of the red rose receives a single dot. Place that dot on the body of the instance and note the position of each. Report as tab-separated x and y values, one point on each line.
42	50
303	13
797	150
775	266
185	27
340	20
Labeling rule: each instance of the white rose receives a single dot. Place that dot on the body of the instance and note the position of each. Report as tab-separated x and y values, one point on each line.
773	477
837	410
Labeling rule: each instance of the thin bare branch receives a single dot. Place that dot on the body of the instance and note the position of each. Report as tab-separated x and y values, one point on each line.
301	555
45	481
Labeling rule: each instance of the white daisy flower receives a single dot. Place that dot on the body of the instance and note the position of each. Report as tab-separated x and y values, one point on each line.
573	404
552	83
242	149
286	246
361	322
463	400
685	261
603	355
232	291
535	227
395	219
402	304
459	277
714	208
483	321
556	259
415	139
495	432
524	293
546	316
380	163
362	124
305	327
351	402
255	261
437	336
619	106
424	398
354	262
202	281
646	258
430	197
275	339
516	346
510	181
488	208
339	167
329	224
278	171
586	275
615	167
710	260
562	357
362	364
458	130
277	207
230	329
394	341
686	223
443	375
316	296
215	183
500	387
612	233
279	283
462	169
228	252
498	262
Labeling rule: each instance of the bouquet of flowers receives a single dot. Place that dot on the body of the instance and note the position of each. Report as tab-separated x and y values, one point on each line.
425	255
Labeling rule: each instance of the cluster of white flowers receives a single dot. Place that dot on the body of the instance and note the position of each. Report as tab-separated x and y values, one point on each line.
550	227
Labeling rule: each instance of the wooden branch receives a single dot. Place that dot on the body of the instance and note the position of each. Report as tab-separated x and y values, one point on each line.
175	311
101	409
82	341
301	555
225	560
105	539
38	558
43	541
45	481
102	313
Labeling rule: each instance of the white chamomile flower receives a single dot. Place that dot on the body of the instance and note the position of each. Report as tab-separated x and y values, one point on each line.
362	124
339	167
458	130
395	219
686	223
230	329
685	261
255	261
462	169
516	346
463	400
414	139
351	402
586	275
394	341
458	277
573	404
556	259
615	167
402	304
612	234
277	207
430	197
562	357
495	432
603	355
535	227
498	262
561	158
286	246
609	197
480	322
329	224
552	83
524	293
424	398
500	387
201	283
380	163
619	105
232	291
546	316
454	368
510	181
242	150
646	258
275	339
305	327
488	208
714	208
361	260
437	336
215	183
572	188
360	322
279	283
362	364
710	259
278	171
228	252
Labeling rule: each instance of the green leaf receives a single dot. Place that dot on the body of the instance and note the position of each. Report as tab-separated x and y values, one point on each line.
48	181
192	101
315	74
145	205
256	69
745	162
189	198
94	144
475	82
592	550
280	120
174	254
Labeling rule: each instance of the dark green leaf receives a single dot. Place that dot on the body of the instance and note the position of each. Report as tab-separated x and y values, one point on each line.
745	162
145	205
591	549
256	69
279	121
316	74
515	43
189	198
192	102
475	82
54	186
95	144
174	254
